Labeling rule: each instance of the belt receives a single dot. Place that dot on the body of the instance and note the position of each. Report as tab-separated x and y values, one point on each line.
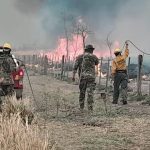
121	71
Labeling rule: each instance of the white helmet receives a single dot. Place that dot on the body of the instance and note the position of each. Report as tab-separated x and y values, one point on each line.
7	45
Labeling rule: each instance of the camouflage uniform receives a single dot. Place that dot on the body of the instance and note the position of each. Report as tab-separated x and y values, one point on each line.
85	64
120	77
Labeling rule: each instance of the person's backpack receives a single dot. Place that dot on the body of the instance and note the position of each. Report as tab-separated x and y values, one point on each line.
88	66
5	70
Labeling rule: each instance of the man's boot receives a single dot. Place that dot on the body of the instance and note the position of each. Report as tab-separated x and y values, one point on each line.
114	102
124	102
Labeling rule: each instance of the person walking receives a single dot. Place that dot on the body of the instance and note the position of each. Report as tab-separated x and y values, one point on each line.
119	73
86	64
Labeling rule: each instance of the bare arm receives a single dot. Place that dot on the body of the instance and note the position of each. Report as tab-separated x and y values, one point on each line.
126	53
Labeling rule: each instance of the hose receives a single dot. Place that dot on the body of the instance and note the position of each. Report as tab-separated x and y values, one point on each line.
31	86
145	53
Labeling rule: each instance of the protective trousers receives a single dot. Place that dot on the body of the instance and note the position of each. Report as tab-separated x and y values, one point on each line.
120	79
89	86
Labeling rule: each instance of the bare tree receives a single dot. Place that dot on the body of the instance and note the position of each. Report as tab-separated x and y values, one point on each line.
66	35
75	46
82	29
109	43
67	19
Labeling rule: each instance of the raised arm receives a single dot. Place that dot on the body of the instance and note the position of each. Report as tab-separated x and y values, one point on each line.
126	52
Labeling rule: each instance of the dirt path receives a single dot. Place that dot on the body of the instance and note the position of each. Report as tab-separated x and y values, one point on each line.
123	127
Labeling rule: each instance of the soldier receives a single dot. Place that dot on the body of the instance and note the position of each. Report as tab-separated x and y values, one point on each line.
119	73
85	64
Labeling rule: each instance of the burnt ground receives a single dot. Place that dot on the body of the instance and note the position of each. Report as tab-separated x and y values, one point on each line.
108	128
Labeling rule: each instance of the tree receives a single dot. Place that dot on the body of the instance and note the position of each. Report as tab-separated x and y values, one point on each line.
109	43
80	28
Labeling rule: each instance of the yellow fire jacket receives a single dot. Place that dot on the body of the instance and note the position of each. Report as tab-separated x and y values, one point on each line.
119	63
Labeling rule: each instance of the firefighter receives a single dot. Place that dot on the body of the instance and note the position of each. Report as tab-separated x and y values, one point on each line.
18	80
85	64
119	73
7	66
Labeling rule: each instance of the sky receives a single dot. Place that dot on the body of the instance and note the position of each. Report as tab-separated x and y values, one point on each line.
38	24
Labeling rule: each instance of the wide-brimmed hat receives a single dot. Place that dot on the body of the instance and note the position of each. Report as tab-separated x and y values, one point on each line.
89	47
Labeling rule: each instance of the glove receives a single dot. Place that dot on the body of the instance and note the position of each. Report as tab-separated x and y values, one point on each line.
126	44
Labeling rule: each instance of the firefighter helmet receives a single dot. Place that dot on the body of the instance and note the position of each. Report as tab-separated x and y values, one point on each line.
7	45
117	50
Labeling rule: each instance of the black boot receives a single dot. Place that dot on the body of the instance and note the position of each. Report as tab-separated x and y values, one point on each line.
125	102
114	102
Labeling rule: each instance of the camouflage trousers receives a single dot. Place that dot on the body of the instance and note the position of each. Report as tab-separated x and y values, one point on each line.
86	85
120	79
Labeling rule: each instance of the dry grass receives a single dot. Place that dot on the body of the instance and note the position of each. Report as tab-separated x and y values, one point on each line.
121	128
12	106
14	135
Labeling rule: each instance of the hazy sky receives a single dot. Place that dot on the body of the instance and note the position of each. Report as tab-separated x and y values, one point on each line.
39	23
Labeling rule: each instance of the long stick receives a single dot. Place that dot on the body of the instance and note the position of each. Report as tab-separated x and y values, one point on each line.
107	76
128	66
101	62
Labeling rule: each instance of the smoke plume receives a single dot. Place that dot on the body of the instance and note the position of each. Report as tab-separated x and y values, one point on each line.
40	23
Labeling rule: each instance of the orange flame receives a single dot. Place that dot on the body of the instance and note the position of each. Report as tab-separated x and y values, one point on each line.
75	47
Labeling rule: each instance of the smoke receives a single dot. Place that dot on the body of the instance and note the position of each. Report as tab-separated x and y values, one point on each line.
132	22
29	7
40	23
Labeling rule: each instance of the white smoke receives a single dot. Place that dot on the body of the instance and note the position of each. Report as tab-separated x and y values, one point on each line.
22	30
